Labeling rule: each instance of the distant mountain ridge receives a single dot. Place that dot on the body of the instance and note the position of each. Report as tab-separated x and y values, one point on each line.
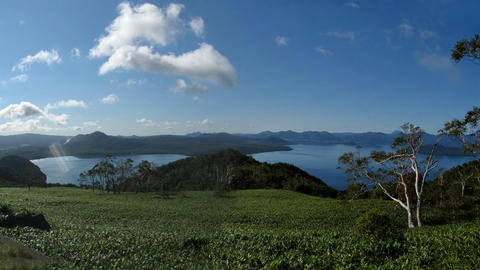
348	138
33	146
99	144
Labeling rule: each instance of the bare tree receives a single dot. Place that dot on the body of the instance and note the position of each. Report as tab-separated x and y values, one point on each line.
383	169
463	179
223	179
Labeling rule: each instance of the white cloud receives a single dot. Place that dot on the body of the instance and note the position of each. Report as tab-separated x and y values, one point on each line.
425	34
59	119
27	109
203	63
71	103
19	78
194	89
133	35
352	5
3	83
281	40
405	28
323	51
204	122
48	57
87	125
91	124
112	98
197	26
132	82
440	63
142	22
146	122
23	109
170	124
75	52
343	35
23	126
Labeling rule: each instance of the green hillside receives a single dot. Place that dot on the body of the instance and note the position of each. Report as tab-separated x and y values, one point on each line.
17	171
271	229
238	171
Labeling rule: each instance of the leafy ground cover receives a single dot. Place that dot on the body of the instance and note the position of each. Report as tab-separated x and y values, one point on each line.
272	229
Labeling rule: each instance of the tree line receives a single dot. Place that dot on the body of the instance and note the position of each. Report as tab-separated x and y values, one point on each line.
120	175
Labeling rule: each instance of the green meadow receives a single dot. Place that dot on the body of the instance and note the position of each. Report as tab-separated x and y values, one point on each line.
270	229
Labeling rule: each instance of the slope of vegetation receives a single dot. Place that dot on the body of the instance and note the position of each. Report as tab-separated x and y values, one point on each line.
242	230
17	171
15	257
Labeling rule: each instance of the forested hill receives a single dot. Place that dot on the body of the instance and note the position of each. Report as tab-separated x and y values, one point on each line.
230	169
17	171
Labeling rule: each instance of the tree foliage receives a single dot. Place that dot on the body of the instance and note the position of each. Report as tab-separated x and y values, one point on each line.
467	130
467	49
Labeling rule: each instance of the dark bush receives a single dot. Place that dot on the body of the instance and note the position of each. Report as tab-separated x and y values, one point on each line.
377	225
9	219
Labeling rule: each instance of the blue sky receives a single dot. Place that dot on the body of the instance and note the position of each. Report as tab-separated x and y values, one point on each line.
164	67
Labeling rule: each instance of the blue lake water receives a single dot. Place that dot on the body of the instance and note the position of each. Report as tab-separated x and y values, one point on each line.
66	169
318	160
322	160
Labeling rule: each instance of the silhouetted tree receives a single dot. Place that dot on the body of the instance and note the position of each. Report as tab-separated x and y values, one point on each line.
467	49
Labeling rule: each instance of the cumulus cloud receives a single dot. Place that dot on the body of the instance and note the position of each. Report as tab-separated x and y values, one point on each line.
204	122
23	109
352	5
439	63
59	119
134	34
142	22
23	126
343	35
27	109
75	52
203	63
20	78
197	26
194	89
48	57
71	103
112	98
281	40
323	51
147	122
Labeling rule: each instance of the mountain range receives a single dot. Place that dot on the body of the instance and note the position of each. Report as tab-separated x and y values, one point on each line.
33	146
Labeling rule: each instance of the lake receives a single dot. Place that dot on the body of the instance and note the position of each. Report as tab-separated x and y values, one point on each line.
318	160
65	170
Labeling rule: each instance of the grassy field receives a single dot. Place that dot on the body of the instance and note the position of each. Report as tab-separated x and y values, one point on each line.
273	229
13	256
